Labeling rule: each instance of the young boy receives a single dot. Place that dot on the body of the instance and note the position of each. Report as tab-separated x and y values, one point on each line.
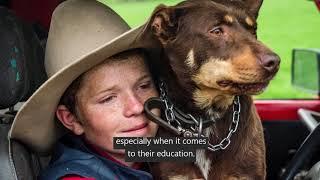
98	83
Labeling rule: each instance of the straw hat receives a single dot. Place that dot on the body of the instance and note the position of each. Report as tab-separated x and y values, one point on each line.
82	34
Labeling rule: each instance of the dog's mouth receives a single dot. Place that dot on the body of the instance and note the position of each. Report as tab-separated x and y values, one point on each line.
246	88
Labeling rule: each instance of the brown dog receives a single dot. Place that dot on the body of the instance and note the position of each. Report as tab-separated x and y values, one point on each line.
210	57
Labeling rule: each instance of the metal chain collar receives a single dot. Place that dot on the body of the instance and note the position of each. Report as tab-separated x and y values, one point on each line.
169	106
225	142
197	130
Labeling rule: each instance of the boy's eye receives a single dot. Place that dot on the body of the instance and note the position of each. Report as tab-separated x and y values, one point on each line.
107	99
146	85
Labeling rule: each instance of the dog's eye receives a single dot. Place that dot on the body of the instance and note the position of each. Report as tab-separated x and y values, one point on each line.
216	31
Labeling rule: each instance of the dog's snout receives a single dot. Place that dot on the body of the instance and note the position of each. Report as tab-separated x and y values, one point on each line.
270	62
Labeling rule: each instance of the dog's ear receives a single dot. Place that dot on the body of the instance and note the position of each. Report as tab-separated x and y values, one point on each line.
164	23
253	6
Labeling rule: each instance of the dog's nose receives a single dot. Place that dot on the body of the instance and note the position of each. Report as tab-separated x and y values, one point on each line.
270	62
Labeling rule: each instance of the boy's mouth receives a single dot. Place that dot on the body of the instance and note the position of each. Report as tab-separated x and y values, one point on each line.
137	127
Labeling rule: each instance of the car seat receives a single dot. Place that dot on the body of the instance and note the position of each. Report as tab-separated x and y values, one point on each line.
21	73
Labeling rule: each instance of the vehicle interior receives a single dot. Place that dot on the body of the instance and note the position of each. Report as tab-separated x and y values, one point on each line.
22	72
291	126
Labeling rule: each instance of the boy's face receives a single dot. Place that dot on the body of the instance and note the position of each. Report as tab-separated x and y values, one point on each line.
110	102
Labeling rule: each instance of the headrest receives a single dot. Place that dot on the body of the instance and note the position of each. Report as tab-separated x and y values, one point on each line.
21	60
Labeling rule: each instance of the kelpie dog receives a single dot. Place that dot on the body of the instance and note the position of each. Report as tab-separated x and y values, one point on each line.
210	63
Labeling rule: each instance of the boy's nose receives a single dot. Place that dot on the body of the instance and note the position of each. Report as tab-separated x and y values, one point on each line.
133	106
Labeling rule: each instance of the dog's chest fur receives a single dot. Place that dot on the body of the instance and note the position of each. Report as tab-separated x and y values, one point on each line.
202	159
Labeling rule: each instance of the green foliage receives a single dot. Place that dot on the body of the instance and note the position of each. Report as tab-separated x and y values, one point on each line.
283	25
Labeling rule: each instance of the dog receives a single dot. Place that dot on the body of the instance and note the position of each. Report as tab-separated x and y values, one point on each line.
210	60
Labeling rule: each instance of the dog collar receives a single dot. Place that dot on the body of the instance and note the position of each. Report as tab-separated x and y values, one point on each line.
186	125
175	118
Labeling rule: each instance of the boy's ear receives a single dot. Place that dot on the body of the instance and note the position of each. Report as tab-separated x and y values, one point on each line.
164	23
69	120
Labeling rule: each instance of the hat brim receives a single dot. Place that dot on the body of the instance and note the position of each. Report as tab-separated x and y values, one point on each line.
35	124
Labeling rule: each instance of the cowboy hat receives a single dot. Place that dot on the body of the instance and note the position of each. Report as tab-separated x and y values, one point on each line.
82	34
